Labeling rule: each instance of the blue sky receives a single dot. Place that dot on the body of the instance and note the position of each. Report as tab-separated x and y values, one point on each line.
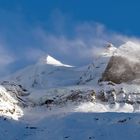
120	15
70	30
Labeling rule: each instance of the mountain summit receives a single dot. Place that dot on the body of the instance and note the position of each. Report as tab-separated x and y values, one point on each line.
52	61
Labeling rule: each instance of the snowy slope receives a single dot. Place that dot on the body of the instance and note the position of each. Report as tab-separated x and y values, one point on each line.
75	126
47	73
86	126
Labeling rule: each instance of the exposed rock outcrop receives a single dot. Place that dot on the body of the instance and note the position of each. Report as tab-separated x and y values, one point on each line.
121	69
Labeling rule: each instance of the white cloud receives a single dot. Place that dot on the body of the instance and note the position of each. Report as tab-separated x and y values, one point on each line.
33	54
5	56
79	49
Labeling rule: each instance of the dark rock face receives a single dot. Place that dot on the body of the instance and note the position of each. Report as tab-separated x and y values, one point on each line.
121	69
74	96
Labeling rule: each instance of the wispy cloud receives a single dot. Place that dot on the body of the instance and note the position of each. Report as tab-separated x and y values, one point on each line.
5	56
79	48
71	41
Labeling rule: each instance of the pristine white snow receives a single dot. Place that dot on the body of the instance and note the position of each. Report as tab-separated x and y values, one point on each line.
52	61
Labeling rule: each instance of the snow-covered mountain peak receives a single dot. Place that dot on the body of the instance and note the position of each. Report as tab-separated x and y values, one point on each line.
109	50
110	46
52	61
129	50
130	46
130	43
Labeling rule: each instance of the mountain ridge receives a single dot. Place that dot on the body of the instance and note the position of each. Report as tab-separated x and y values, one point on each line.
49	96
